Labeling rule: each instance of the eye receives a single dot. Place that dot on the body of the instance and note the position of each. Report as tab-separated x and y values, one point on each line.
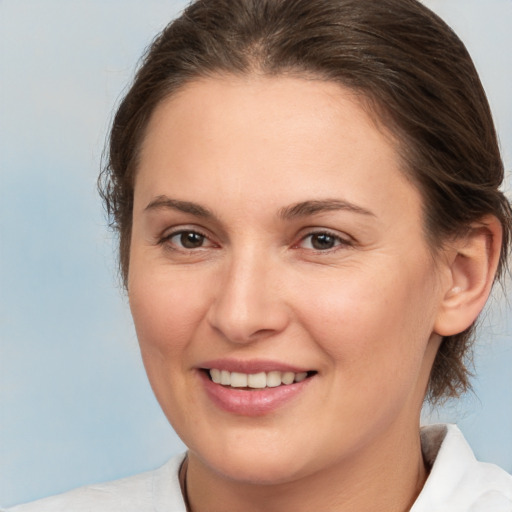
322	241
187	239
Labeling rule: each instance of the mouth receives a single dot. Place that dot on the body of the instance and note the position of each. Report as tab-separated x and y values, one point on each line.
254	388
253	381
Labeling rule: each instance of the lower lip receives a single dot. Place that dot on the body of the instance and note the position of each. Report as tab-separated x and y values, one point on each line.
255	402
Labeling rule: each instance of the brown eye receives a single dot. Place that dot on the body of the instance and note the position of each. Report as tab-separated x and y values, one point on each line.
323	241
187	240
191	240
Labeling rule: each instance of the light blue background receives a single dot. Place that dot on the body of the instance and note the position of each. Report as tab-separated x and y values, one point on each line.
75	406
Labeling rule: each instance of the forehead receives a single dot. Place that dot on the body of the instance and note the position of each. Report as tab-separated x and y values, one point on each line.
262	135
297	103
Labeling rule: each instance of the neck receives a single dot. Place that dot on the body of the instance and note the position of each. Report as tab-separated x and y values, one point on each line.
385	477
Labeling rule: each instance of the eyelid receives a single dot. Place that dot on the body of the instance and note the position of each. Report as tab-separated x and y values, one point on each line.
343	240
168	234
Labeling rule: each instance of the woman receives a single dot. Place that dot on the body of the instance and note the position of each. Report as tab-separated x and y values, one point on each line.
307	198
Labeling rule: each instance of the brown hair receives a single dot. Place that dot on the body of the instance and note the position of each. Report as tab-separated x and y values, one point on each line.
404	60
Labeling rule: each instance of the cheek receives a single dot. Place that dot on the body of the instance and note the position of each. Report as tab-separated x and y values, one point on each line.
166	308
372	324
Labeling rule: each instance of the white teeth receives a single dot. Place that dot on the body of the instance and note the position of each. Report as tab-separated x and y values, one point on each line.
299	377
288	377
215	375
225	378
238	380
273	379
255	380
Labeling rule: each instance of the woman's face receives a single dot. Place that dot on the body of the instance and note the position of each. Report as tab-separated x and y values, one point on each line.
275	236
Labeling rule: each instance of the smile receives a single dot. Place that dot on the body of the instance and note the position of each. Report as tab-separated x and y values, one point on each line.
258	380
253	388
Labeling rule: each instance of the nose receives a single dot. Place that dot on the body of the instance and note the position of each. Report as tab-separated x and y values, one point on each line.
249	303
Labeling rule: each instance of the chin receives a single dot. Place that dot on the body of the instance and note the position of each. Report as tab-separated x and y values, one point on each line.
257	471
256	459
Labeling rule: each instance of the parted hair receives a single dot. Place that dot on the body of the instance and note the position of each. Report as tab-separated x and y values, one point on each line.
412	71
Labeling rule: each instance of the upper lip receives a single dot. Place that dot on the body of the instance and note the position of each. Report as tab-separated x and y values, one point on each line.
251	366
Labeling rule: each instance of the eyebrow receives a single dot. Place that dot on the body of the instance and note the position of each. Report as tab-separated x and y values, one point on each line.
166	203
302	209
306	208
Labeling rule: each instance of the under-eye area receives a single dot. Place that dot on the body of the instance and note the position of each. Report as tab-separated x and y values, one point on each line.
260	380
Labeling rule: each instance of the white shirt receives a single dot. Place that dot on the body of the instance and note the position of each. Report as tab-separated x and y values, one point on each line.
457	483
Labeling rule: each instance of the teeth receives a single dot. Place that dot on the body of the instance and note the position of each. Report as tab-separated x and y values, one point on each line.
288	377
238	380
215	375
225	378
273	379
299	377
255	380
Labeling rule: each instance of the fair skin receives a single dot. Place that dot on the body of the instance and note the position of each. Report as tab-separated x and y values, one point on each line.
273	230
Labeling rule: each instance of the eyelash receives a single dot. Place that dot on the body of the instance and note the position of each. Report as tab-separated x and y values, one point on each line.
338	241
166	240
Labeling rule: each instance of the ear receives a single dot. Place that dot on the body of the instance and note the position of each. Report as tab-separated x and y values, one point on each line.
472	263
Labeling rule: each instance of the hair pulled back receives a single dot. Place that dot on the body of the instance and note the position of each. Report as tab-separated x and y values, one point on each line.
405	62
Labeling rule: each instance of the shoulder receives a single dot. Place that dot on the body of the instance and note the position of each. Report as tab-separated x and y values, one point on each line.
150	491
457	481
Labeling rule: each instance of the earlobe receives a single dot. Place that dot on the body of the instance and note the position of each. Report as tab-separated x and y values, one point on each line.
472	269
